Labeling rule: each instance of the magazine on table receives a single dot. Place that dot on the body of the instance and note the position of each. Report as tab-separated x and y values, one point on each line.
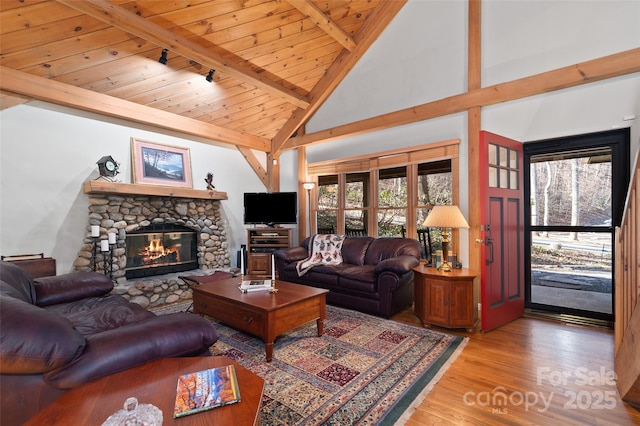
206	389
254	285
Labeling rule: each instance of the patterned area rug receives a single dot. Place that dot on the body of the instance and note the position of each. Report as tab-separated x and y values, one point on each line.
364	370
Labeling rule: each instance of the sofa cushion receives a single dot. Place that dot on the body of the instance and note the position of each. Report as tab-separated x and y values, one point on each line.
365	273
387	248
319	279
98	314
15	282
34	340
354	249
69	287
329	269
355	285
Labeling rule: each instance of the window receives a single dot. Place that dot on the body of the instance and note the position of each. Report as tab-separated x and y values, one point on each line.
392	197
327	204
503	167
392	201
357	202
434	188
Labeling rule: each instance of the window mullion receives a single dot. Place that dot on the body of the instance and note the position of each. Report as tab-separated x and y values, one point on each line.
342	197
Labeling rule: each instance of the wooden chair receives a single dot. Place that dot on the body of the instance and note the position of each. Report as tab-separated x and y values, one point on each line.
424	237
330	230
352	232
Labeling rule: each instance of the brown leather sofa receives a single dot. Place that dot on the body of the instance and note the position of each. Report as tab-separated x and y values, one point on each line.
60	332
375	275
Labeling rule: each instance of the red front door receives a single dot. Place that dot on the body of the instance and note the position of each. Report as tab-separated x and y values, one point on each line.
502	219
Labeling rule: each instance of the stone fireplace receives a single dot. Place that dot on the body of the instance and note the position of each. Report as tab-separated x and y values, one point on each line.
126	211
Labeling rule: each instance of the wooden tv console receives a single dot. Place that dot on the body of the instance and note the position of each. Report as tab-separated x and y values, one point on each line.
261	244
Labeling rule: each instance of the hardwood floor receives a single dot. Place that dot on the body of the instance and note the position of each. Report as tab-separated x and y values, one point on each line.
529	372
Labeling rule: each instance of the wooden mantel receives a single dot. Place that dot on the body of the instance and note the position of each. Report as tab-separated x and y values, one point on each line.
106	187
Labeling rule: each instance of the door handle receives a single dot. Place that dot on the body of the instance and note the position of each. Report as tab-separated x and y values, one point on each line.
489	243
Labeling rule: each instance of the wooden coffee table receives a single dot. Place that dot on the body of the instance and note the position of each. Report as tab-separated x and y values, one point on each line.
153	383
261	313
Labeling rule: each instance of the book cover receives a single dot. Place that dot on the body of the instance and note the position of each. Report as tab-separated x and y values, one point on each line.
251	290
206	389
255	284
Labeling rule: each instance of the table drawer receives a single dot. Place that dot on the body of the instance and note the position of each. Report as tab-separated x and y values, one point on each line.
232	314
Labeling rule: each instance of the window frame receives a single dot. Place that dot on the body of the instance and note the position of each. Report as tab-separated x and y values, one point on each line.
372	163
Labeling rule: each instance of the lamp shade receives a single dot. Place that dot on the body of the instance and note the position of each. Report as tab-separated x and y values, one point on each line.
445	217
308	185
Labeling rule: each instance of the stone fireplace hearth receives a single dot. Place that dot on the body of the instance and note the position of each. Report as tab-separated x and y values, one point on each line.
121	214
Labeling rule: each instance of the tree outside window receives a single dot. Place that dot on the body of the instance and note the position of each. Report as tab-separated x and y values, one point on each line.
392	201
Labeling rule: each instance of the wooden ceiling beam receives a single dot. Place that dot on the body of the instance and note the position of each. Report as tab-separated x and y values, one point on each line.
618	64
255	165
8	100
48	90
140	27
368	34
325	23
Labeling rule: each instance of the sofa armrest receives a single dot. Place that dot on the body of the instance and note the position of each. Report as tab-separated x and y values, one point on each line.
34	340
399	265
292	254
70	287
115	350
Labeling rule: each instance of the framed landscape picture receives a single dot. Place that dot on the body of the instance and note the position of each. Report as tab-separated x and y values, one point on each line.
157	164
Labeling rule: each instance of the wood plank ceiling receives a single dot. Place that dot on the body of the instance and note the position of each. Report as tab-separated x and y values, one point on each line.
275	61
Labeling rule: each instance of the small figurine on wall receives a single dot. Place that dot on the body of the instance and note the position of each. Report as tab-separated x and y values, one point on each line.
209	181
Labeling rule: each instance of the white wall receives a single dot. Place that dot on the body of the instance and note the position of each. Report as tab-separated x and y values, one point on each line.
421	57
46	154
528	37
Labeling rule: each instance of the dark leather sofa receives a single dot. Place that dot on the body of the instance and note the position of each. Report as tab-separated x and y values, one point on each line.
60	332
375	275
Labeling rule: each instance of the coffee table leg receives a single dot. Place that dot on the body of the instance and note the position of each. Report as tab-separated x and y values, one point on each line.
323	312
268	347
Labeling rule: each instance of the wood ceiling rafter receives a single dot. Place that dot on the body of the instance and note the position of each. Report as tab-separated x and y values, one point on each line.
140	27
366	36
255	165
8	99
63	94
623	63
324	22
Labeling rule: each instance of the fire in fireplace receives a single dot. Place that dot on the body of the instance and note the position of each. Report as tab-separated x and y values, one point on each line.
161	249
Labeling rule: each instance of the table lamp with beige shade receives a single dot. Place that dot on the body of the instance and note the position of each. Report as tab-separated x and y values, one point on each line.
445	217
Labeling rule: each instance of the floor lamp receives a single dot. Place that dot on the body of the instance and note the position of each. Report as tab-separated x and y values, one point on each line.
309	186
445	217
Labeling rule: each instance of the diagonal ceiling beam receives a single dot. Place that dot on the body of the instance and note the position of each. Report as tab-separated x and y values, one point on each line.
325	23
140	27
255	165
8	100
63	94
618	64
368	34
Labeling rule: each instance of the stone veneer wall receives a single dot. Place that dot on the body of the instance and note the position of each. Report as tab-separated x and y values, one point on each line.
121	214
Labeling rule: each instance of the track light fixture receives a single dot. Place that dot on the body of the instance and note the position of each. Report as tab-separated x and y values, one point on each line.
209	77
163	57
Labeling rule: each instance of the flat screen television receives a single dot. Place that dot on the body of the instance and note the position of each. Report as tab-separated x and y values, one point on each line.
270	208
